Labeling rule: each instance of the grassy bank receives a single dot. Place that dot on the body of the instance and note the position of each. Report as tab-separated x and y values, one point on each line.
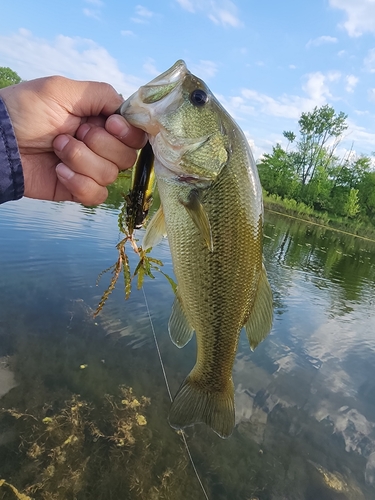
355	226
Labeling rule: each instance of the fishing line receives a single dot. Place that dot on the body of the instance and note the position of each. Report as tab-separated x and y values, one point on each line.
170	394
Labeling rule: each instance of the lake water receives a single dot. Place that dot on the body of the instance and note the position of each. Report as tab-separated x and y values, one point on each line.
70	428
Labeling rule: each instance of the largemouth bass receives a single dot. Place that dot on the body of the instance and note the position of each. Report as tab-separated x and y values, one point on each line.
212	211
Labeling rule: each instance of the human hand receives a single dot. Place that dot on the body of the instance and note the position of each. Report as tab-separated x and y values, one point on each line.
71	144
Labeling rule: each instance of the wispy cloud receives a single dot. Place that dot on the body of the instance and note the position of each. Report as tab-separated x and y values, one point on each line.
220	12
150	68
205	69
360	15
187	5
78	58
127	33
95	9
371	95
316	92
321	40
351	82
142	15
94	14
369	61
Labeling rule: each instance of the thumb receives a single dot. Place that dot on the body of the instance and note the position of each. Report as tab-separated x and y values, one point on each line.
90	98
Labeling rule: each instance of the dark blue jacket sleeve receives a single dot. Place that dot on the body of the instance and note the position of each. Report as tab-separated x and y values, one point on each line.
11	175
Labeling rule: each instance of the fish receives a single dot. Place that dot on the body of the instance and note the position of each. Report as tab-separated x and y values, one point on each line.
212	212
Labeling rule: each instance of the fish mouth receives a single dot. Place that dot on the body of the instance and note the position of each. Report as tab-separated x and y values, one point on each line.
174	74
142	108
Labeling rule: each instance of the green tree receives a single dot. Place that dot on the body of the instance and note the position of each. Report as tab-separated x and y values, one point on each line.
277	172
351	206
366	190
321	131
8	77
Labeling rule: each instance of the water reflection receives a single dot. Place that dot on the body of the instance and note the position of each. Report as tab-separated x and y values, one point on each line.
305	398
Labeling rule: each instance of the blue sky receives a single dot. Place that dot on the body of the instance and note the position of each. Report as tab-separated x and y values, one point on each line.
265	61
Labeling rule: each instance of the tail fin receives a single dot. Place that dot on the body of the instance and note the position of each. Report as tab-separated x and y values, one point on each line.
193	404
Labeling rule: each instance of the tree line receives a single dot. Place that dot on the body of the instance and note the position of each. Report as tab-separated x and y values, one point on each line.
308	170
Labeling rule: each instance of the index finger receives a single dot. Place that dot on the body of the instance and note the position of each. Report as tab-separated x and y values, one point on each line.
128	134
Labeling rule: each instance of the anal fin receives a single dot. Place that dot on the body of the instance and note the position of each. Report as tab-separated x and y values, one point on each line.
179	328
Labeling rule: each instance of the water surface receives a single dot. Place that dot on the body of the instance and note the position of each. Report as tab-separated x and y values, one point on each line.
305	399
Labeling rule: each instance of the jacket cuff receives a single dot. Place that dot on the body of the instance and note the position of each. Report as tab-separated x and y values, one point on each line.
11	174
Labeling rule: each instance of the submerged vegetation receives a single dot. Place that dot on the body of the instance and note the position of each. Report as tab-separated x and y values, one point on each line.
87	451
309	178
134	207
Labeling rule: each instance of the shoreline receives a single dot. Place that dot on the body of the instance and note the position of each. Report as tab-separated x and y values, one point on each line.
314	219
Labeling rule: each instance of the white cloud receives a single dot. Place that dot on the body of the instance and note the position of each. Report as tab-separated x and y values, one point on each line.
221	12
127	33
258	147
205	69
286	106
78	58
369	61
143	14
250	102
320	41
94	14
143	11
150	68
351	82
187	5
360	15
359	135
316	85
371	95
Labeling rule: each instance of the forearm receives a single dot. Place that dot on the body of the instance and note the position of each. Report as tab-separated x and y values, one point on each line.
11	175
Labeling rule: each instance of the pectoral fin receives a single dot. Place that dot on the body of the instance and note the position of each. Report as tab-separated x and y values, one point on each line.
199	216
155	230
179	328
259	323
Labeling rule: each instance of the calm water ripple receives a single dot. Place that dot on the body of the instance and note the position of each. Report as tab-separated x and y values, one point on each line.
305	399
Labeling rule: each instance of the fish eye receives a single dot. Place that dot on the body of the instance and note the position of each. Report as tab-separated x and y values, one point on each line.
198	97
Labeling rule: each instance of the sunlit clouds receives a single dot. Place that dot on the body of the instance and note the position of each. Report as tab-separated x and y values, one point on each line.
359	15
74	57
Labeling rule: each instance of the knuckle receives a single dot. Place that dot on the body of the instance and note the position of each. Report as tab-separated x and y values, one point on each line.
51	83
87	194
111	175
73	152
129	159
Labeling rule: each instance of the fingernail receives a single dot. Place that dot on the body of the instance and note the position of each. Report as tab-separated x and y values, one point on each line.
117	125
64	172
60	142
